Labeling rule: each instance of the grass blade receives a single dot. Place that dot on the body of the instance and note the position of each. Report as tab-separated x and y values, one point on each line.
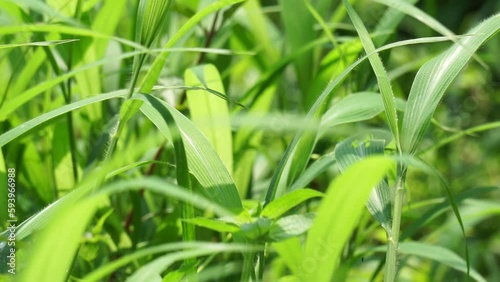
332	228
384	82
209	112
433	79
204	163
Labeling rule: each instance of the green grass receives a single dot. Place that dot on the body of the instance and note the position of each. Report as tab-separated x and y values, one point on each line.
233	140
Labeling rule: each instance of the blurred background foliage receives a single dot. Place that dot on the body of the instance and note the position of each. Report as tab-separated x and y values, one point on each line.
281	58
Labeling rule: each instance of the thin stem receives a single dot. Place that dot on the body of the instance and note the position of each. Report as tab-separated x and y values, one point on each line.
391	264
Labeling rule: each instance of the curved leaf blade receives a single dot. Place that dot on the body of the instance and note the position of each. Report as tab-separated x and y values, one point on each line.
433	79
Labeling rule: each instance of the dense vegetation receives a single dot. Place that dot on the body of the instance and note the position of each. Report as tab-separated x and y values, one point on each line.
232	140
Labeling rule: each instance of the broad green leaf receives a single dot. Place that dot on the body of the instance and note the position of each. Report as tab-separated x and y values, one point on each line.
288	201
384	82
204	163
433	79
209	112
361	146
337	216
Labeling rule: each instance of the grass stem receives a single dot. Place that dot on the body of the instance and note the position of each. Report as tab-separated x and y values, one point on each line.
391	264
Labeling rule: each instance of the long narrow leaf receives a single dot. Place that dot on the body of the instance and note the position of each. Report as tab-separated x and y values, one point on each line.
433	79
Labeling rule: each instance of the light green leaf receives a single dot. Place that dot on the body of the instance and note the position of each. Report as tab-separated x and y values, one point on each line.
337	216
209	112
59	246
283	204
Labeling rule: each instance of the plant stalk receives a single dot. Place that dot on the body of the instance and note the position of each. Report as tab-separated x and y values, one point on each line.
391	263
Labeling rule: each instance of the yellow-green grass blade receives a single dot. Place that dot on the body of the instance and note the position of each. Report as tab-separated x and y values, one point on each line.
63	29
338	215
55	248
154	72
37	43
204	163
433	79
384	82
209	112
